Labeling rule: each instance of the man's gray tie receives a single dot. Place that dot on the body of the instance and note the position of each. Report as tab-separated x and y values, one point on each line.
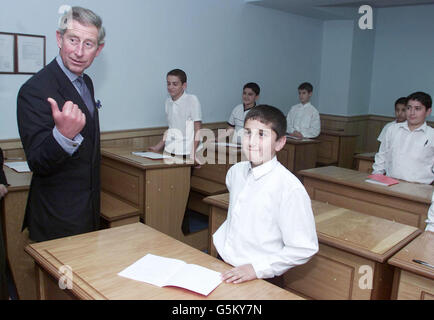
85	94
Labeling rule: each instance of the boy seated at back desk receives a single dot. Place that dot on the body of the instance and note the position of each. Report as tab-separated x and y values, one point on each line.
303	119
407	151
400	116
270	226
250	95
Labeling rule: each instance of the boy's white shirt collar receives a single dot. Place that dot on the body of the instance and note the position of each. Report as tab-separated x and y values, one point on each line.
261	170
179	99
404	125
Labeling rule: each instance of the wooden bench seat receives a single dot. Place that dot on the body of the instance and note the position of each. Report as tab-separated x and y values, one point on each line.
201	188
115	212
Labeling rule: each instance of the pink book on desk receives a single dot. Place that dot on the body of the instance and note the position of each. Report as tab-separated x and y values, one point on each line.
382	179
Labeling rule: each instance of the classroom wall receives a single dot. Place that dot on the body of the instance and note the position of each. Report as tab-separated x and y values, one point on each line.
336	59
220	44
403	58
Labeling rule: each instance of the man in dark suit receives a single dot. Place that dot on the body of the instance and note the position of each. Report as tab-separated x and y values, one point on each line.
59	129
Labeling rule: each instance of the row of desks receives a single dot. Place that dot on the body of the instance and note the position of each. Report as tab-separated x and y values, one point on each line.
355	258
160	191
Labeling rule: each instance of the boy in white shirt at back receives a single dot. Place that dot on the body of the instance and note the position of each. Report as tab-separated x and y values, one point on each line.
407	151
400	116
303	119
184	117
251	92
270	226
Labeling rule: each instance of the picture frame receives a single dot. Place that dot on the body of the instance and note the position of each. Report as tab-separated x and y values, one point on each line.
30	53
7	53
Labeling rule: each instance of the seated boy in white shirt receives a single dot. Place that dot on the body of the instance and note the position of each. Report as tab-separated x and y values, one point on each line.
270	226
407	151
184	117
303	119
400	116
251	92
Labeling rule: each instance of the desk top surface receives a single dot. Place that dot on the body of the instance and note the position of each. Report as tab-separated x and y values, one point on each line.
96	258
367	236
406	190
420	249
17	180
336	133
366	156
124	154
301	141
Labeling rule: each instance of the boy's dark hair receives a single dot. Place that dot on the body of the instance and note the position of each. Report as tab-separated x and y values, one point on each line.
178	73
269	115
306	86
254	86
422	97
402	100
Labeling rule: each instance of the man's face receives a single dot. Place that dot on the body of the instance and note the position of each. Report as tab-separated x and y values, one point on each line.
78	46
416	114
304	96
175	87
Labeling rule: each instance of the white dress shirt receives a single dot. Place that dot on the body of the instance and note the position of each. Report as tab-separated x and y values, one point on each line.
181	115
430	220
270	223
384	130
237	120
407	155
305	119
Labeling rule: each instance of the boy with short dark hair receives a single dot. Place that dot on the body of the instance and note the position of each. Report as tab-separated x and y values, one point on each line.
400	116
251	92
184	116
270	226
303	118
407	152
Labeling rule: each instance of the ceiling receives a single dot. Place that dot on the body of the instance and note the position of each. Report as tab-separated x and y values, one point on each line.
331	9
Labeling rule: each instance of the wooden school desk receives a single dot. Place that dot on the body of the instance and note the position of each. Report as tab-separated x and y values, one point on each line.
364	161
158	189
405	202
96	258
299	154
210	178
336	148
14	206
414	281
351	245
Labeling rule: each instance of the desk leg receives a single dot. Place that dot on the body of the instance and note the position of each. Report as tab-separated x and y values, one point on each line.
21	264
216	217
47	287
166	197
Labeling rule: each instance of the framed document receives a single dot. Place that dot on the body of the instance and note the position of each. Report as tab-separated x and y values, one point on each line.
30	53
7	52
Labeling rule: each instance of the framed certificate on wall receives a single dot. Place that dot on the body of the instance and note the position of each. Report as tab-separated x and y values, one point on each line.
7	53
30	53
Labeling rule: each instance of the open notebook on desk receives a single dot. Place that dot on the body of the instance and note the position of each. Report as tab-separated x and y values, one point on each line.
18	166
381	180
151	155
161	271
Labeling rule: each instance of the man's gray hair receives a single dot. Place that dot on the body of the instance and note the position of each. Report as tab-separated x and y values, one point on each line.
85	17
